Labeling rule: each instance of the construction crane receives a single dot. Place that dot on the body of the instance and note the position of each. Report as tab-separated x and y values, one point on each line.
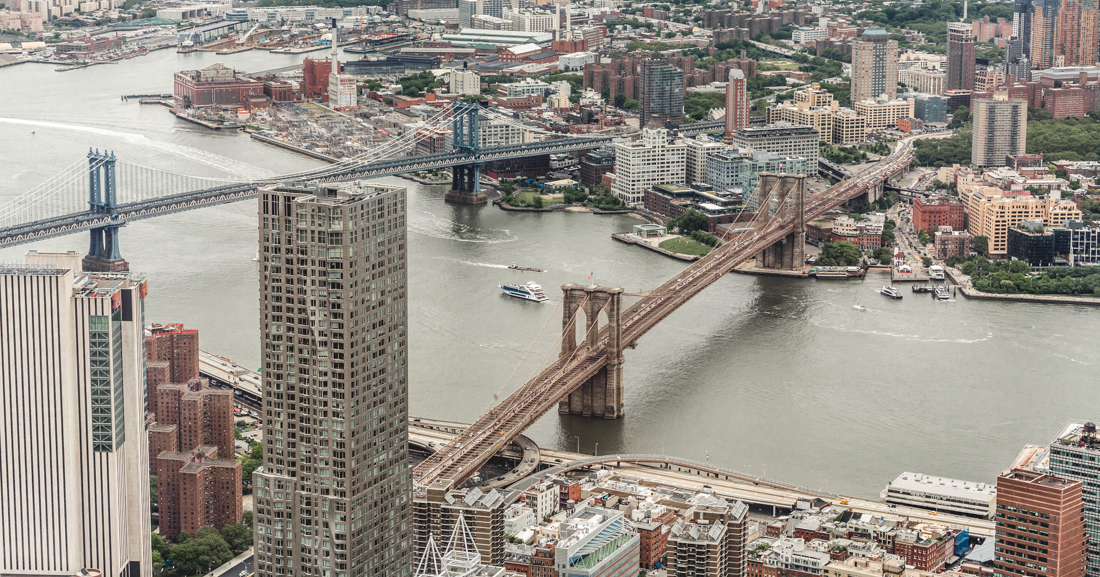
243	39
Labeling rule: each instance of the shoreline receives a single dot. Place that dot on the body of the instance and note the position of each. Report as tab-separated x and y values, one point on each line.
969	292
625	238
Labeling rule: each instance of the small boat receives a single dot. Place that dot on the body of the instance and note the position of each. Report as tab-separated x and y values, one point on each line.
942	293
514	266
859	307
529	291
891	292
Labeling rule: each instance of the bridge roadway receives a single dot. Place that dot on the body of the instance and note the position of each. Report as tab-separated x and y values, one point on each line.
504	421
692	475
48	228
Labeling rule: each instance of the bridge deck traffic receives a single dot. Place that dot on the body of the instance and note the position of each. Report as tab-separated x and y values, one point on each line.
495	429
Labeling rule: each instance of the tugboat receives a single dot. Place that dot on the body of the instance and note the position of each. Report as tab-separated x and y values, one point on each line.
891	292
528	292
514	266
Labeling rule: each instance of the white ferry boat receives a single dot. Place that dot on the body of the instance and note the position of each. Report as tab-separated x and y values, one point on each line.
891	292
529	291
942	292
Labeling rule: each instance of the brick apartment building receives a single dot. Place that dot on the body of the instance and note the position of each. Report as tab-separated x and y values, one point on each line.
173	344
203	415
191	443
197	490
929	214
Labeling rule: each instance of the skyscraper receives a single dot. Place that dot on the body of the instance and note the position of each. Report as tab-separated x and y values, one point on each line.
1073	456
1000	129
1026	499
74	485
333	496
1021	24
737	103
1076	35
1044	20
960	56
662	94
874	66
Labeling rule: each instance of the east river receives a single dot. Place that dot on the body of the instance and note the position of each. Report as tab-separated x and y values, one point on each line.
759	374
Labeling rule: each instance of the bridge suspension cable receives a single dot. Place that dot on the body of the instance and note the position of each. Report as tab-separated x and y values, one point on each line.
63	194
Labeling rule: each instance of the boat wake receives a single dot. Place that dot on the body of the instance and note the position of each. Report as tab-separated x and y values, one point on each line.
916	338
429	224
223	164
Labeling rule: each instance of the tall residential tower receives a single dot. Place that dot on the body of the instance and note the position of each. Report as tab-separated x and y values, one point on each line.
874	66
1000	129
961	54
333	497
737	103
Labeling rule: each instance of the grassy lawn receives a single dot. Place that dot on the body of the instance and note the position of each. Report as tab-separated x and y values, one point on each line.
783	64
685	245
529	197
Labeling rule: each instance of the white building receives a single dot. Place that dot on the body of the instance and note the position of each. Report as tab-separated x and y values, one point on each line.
493	133
543	498
526	87
306	13
467	9
74	475
518	518
807	35
434	14
532	21
465	82
698	150
576	60
192	11
597	541
941	494
641	164
342	92
471	36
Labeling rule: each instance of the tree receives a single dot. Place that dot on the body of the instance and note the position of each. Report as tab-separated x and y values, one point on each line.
959	118
537	201
202	553
926	261
923	237
691	221
839	254
620	100
980	245
159	546
884	254
238	536
248	519
154	497
631	105
1018	267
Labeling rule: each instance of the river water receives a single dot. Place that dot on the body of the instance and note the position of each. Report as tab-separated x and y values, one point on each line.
765	375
